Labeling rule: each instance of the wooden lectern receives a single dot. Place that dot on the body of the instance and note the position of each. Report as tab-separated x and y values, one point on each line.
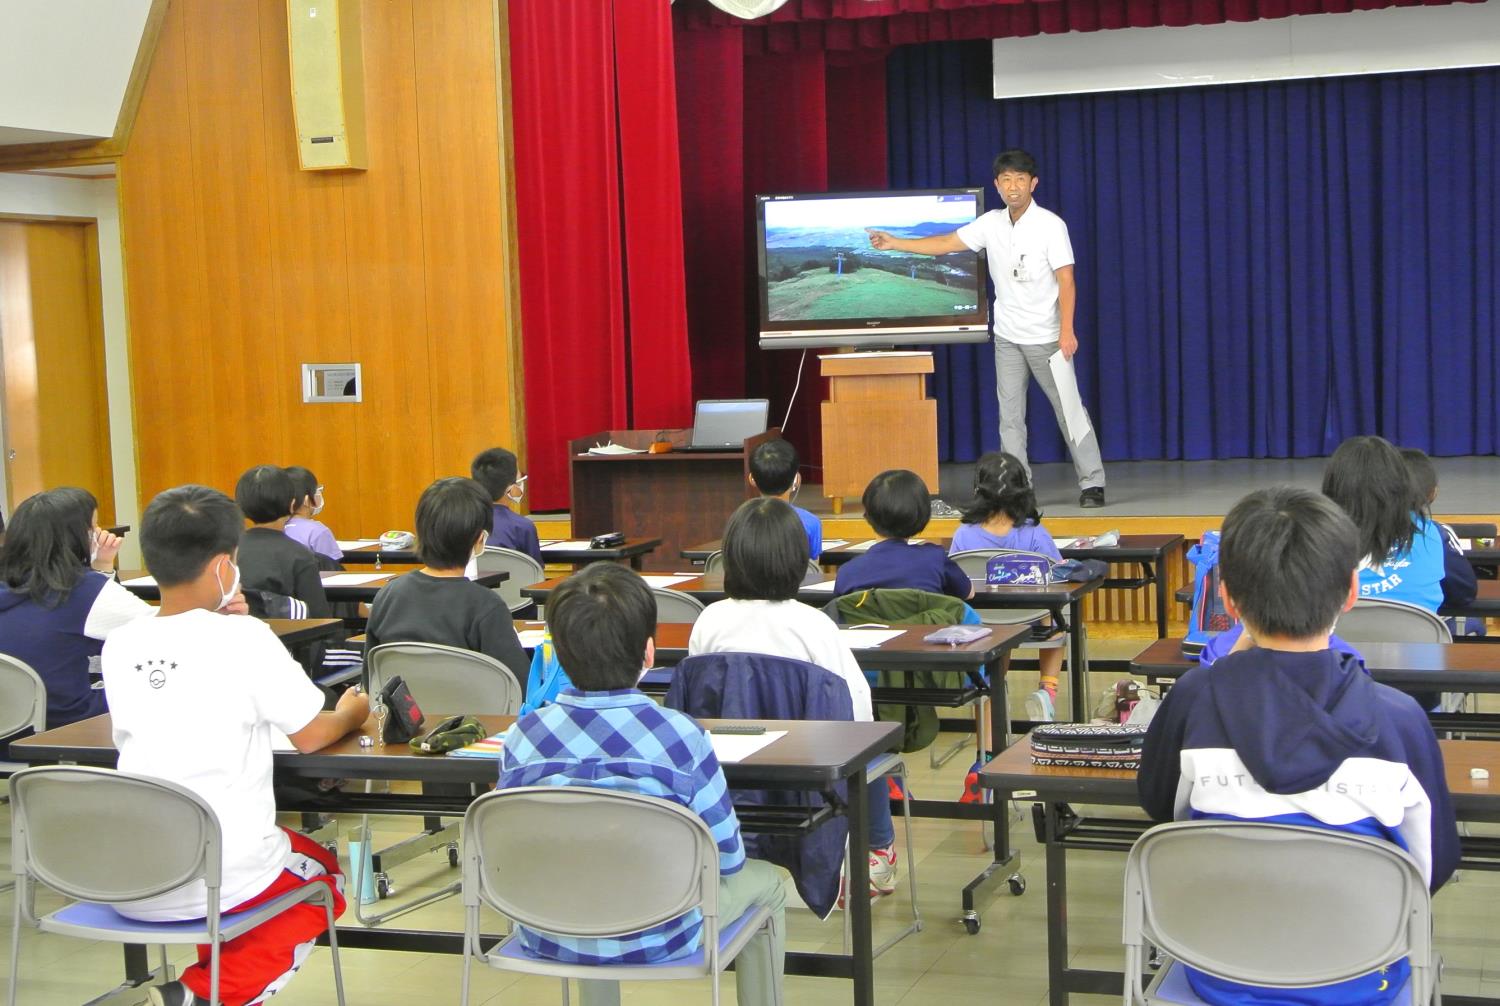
877	416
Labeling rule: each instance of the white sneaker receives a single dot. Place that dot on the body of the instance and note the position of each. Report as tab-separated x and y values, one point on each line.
1039	707
883	870
170	994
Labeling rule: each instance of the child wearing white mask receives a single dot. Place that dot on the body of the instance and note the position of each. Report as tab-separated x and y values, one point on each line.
302	527
439	603
499	473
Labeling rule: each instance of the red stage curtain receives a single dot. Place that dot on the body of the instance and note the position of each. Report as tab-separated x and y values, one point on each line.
602	287
833	25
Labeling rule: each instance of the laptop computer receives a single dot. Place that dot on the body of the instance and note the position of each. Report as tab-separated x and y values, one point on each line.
722	424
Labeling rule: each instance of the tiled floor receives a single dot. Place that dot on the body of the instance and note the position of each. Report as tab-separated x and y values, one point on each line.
1004	964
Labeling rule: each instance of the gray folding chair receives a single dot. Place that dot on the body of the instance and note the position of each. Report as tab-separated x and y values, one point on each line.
715	564
523	570
675	606
585	862
1300	907
1378	621
445	680
162	836
23	704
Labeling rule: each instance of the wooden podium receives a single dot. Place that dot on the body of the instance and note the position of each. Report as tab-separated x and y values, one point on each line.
877	416
681	497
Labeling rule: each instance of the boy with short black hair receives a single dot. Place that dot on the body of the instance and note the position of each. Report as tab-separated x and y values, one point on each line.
497	470
605	732
898	507
1285	729
198	698
268	559
438	603
774	471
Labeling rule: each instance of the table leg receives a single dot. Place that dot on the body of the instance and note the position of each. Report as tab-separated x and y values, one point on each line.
1078	663
860	928
1057	908
1160	578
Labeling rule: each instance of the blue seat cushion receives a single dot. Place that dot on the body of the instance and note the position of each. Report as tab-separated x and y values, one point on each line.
105	918
512	949
1174	988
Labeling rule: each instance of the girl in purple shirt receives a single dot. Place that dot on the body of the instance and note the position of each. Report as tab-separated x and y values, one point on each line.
1004	515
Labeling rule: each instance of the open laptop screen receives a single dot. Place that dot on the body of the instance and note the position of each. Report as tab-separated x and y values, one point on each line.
726	422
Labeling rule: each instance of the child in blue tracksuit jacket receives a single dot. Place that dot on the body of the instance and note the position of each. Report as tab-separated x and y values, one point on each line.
1286	729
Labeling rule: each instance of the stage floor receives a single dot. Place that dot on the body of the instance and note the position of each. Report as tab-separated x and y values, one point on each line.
1466	486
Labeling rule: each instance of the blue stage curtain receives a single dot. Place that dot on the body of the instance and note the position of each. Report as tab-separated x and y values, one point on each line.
1263	269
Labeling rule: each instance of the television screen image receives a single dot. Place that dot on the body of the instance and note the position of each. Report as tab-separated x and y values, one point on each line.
820	276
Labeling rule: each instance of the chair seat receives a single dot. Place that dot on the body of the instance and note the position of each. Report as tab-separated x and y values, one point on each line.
1171	986
83	918
511	955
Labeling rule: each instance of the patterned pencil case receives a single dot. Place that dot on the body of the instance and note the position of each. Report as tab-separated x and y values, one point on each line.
1089	745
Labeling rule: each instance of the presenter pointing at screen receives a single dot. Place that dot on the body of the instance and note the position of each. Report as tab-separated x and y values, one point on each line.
1031	263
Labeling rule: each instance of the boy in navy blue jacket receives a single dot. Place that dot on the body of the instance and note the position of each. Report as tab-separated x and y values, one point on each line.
1285	729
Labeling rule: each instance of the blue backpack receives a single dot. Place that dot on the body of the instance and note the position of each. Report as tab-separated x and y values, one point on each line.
1209	617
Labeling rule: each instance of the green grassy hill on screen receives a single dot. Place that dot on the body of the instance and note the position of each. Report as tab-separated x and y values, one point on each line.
818	295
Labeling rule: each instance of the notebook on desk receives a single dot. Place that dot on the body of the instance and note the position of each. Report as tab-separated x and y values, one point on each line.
722	424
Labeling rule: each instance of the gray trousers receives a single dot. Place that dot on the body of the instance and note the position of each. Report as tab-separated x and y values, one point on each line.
1014	365
759	968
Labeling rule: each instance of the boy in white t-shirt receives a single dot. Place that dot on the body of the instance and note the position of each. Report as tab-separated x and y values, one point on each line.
196	698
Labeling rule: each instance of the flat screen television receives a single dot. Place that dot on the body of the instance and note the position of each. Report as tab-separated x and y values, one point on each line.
821	284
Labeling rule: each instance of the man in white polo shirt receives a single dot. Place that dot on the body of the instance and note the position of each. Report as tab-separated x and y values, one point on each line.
1031	263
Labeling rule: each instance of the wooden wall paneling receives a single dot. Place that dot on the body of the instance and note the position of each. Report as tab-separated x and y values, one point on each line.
387	295
311	281
459	136
247	362
166	284
23	473
103	461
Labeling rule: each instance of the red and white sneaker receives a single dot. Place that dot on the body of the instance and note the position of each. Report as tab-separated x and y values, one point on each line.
882	874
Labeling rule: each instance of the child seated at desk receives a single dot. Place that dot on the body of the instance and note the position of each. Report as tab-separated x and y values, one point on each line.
59	600
1004	515
196	699
268	559
604	732
765	559
1286	729
1460	584
496	470
898	507
774	473
438	603
303	527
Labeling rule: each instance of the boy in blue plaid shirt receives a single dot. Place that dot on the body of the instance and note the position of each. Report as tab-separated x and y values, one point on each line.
605	732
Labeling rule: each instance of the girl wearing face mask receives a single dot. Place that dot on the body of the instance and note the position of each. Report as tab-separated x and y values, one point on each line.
438	603
303	527
59	599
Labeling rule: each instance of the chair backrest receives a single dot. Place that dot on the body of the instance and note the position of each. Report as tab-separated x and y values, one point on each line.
715	564
523	570
975	562
99	835
23	697
675	606
445	679
1374	621
1277	905
587	862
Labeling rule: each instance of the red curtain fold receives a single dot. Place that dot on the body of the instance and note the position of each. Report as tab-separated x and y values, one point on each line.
842	25
604	329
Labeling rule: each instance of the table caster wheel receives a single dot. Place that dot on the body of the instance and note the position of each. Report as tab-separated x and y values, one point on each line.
453	856
971	924
383	888
1017	885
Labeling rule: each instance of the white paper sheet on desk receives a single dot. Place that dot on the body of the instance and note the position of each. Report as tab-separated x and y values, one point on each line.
825	586
357	543
865	639
1075	416
834	543
862	546
669	579
531	638
569	545
352	579
139	581
1064	542
730	748
608	449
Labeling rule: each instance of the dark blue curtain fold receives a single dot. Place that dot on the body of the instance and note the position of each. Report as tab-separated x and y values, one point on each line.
1263	269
